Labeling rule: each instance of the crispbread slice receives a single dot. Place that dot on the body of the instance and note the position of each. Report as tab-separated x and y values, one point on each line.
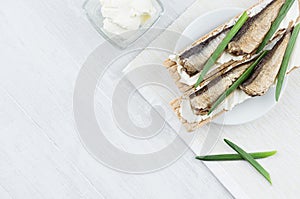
175	104
172	68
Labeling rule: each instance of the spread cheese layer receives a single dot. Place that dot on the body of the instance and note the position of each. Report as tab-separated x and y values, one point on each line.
125	15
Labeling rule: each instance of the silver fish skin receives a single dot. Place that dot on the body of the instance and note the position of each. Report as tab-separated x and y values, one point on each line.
194	59
203	99
250	36
266	71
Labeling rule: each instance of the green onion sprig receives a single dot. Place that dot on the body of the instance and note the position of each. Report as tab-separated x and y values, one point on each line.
221	47
250	159
285	61
281	15
237	83
229	157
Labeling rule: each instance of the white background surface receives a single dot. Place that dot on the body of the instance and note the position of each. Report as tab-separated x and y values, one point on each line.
43	45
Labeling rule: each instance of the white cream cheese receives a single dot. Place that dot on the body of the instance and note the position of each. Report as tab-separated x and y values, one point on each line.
237	97
257	8
186	112
226	57
125	15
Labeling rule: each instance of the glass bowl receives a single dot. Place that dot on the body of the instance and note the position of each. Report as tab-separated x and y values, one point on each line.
93	12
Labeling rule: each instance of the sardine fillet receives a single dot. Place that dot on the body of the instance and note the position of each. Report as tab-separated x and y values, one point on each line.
194	59
254	30
203	99
266	71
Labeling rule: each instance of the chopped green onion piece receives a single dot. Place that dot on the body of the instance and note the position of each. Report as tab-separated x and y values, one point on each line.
281	15
286	59
226	157
250	159
238	82
221	47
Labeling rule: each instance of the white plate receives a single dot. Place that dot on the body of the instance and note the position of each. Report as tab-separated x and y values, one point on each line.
251	109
